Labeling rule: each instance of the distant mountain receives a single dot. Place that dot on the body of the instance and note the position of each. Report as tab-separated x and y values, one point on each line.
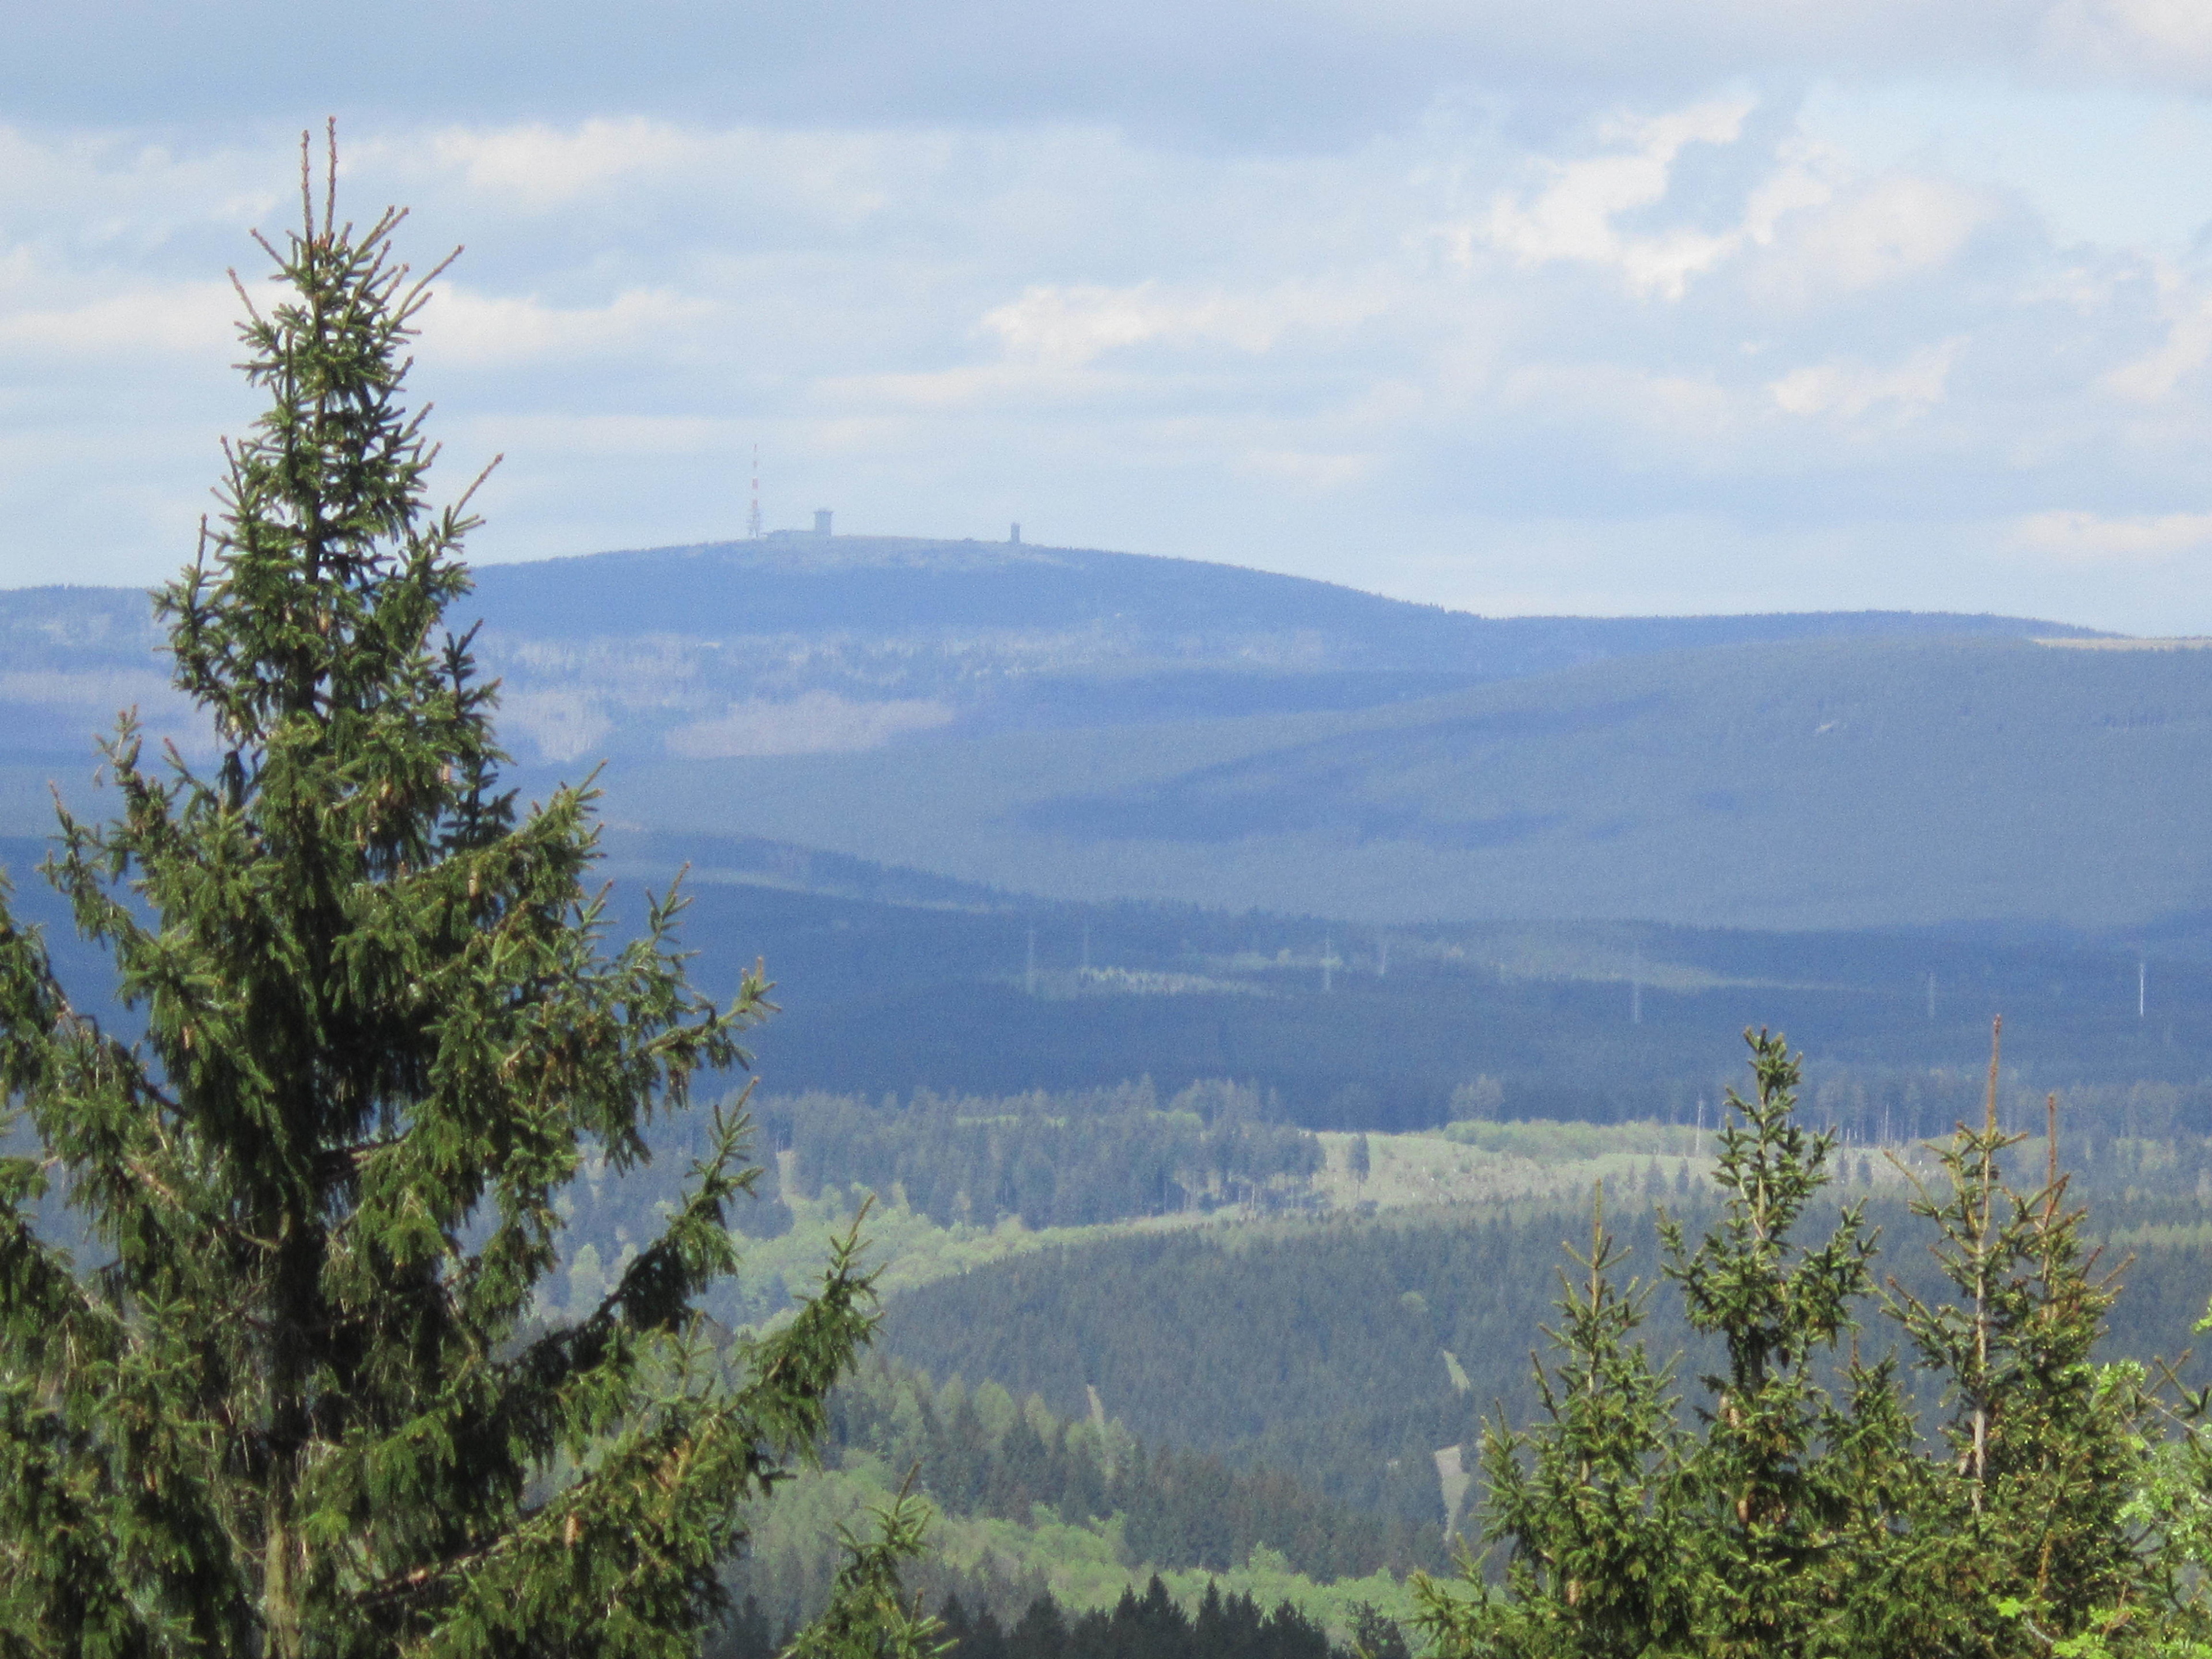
799	644
1824	783
1096	725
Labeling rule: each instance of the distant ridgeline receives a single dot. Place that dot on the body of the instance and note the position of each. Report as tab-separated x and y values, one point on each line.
1328	1026
1383	1028
995	815
796	644
1091	725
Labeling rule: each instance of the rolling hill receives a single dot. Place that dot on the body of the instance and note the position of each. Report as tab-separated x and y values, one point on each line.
1824	783
800	643
1089	725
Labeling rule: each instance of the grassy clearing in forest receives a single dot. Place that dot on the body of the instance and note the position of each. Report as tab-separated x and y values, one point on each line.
1470	1166
793	1555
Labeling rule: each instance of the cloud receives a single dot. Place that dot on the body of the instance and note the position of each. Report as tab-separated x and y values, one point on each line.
1827	235
1876	234
2154	376
1572	216
1851	389
1309	470
1677	414
2168	41
540	166
480	331
1410	349
183	317
2089	539
1071	326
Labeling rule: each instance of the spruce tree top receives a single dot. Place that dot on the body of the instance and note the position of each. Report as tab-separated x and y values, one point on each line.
291	1399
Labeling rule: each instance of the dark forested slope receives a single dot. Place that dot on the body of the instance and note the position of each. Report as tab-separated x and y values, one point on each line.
1828	783
799	644
1319	1351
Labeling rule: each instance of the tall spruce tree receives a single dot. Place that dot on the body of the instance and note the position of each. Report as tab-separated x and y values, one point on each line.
1785	1491
2022	1537
1584	1500
288	1399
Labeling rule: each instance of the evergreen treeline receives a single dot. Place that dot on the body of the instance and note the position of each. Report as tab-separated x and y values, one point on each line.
2043	1504
1149	1626
1317	1349
981	1453
1055	1160
890	997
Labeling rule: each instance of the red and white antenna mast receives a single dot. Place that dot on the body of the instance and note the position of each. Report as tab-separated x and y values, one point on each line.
753	520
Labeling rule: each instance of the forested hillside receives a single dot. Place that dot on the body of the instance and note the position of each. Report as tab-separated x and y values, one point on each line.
889	984
1077	1507
1094	725
1321	1352
1380	1028
797	642
1052	1161
1829	784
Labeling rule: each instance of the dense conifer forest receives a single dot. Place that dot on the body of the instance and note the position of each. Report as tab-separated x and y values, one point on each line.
1146	1626
1319	1351
979	1452
1066	1160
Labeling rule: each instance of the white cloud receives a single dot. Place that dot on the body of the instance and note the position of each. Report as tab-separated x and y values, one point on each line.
1890	228
568	438
1850	389
1019	385
1687	417
482	331
2154	376
1572	216
1308	470
2159	40
1071	326
1827	237
192	318
2094	540
540	167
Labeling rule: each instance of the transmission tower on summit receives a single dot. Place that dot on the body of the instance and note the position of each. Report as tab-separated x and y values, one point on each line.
753	529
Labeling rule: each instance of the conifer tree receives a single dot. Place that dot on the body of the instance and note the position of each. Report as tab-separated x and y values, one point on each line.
290	1399
1776	1498
1584	1500
2021	1535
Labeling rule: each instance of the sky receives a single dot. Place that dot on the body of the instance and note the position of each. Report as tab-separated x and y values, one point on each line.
1626	306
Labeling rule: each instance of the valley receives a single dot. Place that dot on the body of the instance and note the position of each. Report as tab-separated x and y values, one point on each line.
1220	996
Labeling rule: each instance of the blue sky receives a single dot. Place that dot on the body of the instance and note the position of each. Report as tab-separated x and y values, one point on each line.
1636	305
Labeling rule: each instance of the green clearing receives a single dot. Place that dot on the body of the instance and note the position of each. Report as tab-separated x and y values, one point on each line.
987	1560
